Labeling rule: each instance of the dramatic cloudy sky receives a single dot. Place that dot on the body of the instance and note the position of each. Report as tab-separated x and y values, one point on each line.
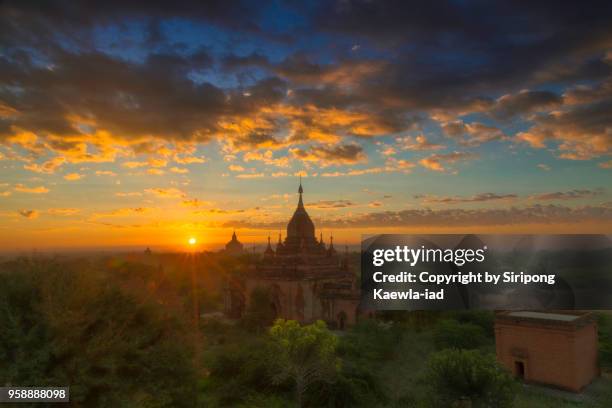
142	123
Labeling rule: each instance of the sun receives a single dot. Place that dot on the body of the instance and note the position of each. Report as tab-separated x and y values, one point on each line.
192	241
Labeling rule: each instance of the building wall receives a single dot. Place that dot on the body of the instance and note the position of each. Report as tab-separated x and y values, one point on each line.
565	357
287	292
586	348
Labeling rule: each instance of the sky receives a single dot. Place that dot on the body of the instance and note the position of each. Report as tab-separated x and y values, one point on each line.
134	124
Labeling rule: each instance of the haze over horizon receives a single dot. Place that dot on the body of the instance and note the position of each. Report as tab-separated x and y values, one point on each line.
130	124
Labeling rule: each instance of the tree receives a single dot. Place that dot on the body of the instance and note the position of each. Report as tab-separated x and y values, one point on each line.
305	354
63	323
457	375
452	334
259	313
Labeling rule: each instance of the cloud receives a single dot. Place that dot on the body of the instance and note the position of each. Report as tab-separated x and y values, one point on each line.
129	194
266	157
106	173
47	167
581	131
457	217
121	212
31	190
525	102
73	176
358	172
179	170
156	172
134	164
478	198
437	162
331	155
236	168
331	204
195	202
217	211
165	192
471	134
419	143
567	195
63	211
543	167
30	214
189	159
250	175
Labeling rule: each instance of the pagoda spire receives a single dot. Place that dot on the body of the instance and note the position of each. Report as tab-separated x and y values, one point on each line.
300	190
269	251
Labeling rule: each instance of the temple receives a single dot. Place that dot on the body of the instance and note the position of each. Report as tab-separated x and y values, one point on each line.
234	247
306	279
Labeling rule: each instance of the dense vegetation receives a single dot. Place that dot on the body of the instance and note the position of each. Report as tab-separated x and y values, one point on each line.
120	332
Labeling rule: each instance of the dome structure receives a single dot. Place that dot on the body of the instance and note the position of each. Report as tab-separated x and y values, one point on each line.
234	246
301	229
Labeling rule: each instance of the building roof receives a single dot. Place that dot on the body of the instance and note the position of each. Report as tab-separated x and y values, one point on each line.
545	316
573	318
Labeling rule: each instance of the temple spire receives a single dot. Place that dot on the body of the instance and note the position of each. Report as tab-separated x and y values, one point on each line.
300	190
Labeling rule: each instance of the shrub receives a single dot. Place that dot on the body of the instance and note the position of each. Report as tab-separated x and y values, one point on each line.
452	334
459	375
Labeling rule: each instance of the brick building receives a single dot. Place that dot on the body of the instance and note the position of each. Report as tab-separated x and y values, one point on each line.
557	349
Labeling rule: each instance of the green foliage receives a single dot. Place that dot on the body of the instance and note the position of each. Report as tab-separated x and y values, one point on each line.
24	338
452	334
372	340
265	401
459	375
71	324
483	318
605	340
354	386
259	313
242	369
306	355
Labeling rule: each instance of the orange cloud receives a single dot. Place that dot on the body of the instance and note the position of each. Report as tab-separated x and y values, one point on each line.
179	170
165	192
106	173
73	176
31	190
250	175
48	167
437	162
63	211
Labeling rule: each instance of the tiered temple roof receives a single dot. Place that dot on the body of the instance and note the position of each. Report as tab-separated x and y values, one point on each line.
302	255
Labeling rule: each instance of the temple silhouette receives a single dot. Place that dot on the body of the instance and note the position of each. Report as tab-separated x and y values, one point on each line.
306	279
